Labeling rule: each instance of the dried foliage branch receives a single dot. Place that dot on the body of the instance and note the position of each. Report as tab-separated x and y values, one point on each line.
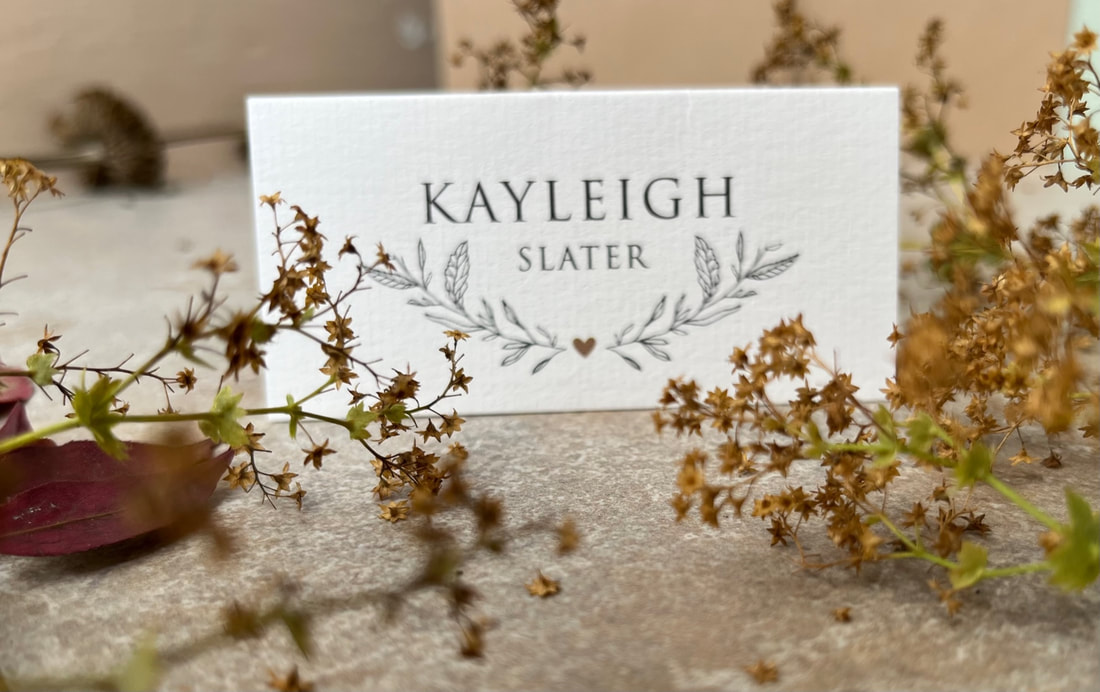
802	51
862	451
299	302
403	434
1004	349
924	125
1062	133
527	59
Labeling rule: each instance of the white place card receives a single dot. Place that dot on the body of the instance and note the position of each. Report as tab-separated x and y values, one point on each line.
593	244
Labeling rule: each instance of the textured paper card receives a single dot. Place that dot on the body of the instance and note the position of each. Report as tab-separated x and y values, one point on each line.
593	244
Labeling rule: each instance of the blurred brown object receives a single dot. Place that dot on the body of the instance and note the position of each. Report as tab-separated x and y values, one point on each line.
109	138
111	141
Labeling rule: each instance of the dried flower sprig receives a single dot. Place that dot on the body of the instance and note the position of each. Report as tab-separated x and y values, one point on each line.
298	299
528	58
861	451
385	421
1062	134
924	125
1002	350
24	183
801	50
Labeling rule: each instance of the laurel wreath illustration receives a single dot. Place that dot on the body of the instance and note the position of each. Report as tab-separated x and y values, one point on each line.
650	337
717	302
451	311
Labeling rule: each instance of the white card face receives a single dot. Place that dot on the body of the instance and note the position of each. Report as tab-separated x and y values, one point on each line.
592	244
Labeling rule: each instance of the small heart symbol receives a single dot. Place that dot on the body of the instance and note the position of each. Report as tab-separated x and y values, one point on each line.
584	347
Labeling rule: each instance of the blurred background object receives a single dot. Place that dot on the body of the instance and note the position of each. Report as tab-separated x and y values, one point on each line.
108	140
997	49
188	66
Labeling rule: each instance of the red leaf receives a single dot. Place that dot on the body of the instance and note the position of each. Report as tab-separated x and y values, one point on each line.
13	419
14	388
74	497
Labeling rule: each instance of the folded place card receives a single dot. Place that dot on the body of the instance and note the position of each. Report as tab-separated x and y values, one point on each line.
592	244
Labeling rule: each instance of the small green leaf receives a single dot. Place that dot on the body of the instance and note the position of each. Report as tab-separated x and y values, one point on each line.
295	412
261	332
360	418
886	449
884	458
923	433
885	422
224	426
142	672
395	413
817	446
186	349
1076	560
975	464
972	562
41	368
92	407
297	624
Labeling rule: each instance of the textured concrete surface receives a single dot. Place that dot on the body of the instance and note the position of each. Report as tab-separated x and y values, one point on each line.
645	604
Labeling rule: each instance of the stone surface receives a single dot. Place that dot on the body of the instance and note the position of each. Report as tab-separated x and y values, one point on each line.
646	603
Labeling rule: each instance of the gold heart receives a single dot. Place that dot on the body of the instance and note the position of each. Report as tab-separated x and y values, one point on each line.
584	347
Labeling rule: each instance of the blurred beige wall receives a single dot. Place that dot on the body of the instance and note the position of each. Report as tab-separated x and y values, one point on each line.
996	48
190	63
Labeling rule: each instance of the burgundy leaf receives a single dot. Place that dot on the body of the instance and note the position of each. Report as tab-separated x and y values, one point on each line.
14	387
64	499
14	390
13	419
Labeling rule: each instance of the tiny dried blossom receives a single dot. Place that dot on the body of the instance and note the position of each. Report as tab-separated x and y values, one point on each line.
394	511
47	343
763	671
291	682
219	263
568	536
543	586
316	454
241	476
186	379
272	200
282	480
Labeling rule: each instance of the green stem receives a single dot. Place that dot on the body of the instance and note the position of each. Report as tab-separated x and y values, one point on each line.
166	417
316	392
1017	499
16	441
286	410
922	554
1012	571
138	372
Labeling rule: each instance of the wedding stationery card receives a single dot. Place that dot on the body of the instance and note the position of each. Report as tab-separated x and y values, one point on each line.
592	244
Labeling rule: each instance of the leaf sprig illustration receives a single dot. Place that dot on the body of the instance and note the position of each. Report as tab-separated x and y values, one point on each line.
450	310
716	304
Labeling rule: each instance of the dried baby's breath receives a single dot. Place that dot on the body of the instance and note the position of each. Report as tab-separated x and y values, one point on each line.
1003	349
